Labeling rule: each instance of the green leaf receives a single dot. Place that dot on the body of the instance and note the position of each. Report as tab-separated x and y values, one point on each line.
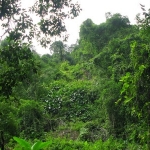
22	143
36	145
127	99
39	145
141	68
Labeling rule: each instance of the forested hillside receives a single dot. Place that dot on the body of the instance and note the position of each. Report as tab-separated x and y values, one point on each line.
94	95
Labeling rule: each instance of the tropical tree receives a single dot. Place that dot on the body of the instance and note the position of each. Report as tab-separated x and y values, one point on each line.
58	49
17	64
136	84
50	13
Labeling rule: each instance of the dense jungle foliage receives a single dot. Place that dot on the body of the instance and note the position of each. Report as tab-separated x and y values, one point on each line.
92	95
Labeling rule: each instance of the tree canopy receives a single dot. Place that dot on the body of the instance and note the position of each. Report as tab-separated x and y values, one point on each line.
93	95
51	15
15	51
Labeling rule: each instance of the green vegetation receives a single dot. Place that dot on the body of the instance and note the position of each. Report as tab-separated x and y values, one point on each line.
92	96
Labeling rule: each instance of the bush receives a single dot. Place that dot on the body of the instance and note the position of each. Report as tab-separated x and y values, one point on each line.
8	120
31	116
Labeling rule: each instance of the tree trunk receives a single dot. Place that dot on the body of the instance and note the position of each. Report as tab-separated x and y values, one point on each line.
2	140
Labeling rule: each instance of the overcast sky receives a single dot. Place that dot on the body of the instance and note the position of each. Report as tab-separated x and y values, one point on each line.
95	10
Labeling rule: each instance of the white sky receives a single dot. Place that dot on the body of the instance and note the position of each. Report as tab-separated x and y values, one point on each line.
95	10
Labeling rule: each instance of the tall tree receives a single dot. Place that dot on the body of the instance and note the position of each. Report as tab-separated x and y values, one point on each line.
58	48
51	15
16	64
